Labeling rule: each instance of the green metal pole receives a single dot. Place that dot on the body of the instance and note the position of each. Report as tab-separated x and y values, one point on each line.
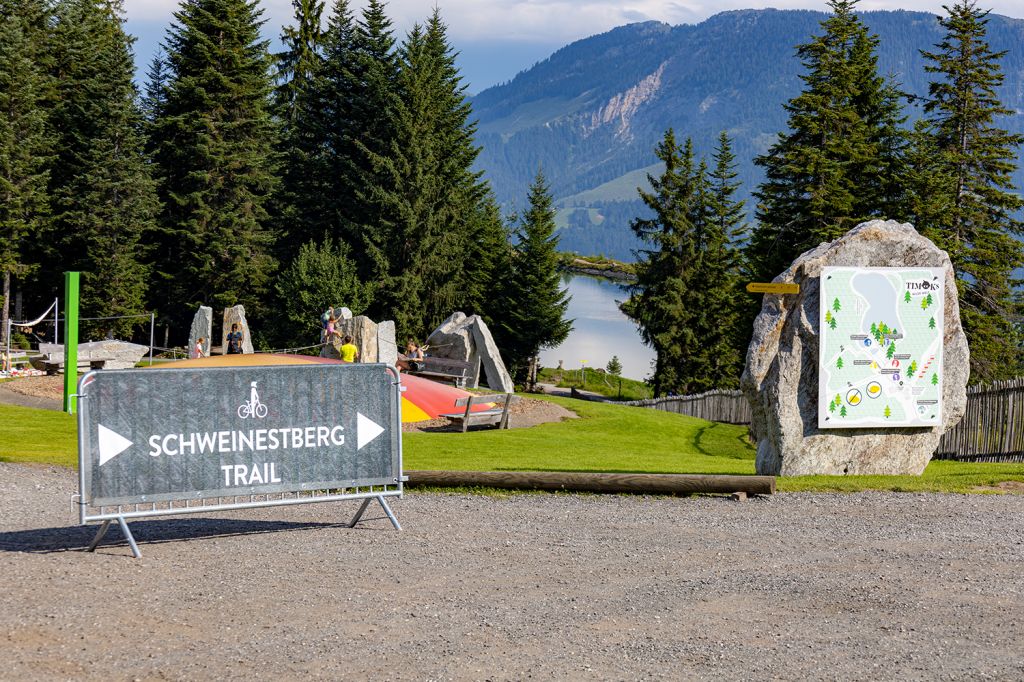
70	340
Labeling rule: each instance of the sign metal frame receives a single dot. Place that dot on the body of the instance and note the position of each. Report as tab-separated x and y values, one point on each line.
176	504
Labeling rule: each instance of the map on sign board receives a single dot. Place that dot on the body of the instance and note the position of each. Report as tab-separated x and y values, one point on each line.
880	352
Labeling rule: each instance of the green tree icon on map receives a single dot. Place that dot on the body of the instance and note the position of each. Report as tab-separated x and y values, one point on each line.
906	297
913	368
839	362
839	399
832	406
832	323
892	350
888	412
842	411
927	301
935	379
874	330
931	323
835	305
828	316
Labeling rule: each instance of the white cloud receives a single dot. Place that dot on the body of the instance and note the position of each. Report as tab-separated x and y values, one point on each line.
549	21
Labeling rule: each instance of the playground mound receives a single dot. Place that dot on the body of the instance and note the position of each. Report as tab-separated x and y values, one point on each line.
48	392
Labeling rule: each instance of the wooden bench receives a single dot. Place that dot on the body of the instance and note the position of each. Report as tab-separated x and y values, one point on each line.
443	369
495	415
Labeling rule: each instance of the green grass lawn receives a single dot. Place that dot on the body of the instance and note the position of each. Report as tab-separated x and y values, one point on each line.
606	438
44	436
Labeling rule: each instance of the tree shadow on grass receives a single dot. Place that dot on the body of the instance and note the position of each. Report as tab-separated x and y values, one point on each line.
159	531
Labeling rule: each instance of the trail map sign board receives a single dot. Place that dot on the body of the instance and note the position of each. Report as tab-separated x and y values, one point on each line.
880	347
160	436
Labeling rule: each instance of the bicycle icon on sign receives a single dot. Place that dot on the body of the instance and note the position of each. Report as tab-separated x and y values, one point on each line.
253	407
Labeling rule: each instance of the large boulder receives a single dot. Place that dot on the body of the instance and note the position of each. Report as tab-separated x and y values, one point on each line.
363	331
781	374
202	328
115	354
236	315
453	339
498	378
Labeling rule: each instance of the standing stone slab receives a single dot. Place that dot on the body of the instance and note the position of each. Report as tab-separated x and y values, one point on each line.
233	315
202	327
498	378
387	348
363	331
781	374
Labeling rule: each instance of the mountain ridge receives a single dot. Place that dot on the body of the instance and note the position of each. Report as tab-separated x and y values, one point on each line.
592	112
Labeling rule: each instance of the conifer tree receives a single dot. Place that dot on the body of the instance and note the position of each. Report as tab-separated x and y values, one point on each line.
658	301
841	160
427	196
964	194
214	148
719	301
25	142
297	212
104	200
536	303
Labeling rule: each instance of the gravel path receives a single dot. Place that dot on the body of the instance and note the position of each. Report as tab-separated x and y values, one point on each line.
866	586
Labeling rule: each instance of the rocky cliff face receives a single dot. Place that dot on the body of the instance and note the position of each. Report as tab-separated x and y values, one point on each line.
621	108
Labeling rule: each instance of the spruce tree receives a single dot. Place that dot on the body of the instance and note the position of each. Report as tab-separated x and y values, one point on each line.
965	195
25	142
536	303
427	198
214	149
104	200
658	300
840	162
298	206
719	302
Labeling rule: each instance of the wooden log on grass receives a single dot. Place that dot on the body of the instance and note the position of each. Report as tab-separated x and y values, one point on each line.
660	484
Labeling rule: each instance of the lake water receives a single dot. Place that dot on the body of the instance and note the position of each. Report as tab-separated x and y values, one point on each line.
600	330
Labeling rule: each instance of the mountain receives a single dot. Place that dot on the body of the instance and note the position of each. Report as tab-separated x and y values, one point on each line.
591	114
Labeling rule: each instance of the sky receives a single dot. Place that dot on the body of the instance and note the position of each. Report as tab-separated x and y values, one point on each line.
499	38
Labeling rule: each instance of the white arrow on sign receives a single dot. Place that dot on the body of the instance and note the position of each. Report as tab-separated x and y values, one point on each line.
366	430
112	444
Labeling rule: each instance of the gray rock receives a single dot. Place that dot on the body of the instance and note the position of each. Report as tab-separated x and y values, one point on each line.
781	374
236	315
363	331
202	328
387	347
115	354
498	378
342	313
453	339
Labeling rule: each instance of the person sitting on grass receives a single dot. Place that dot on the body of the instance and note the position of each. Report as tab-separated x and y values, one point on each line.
349	351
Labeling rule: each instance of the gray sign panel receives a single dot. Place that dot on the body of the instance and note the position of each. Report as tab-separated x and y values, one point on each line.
168	434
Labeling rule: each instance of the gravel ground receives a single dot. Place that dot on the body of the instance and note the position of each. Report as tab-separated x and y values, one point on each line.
798	586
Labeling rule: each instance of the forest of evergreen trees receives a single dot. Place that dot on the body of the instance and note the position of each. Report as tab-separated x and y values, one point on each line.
846	157
338	172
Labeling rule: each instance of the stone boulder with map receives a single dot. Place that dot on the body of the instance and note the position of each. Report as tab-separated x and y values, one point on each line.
793	417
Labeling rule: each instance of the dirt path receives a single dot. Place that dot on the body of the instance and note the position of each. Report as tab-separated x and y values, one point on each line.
794	587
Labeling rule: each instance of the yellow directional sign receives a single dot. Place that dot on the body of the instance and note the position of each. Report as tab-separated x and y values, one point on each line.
773	288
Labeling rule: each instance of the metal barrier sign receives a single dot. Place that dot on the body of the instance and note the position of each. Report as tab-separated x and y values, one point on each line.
149	439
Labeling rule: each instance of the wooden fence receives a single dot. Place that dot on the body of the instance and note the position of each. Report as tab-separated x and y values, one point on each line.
992	429
730	407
